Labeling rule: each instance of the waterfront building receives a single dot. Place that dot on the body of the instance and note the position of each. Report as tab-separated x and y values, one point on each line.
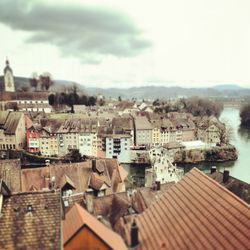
143	131
118	146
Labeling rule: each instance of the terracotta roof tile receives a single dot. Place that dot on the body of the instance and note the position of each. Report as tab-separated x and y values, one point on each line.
37	228
79	174
195	213
78	217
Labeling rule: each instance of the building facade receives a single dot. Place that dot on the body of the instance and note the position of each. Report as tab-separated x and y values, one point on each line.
12	130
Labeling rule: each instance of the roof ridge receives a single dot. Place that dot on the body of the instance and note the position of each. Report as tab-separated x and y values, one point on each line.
218	185
36	192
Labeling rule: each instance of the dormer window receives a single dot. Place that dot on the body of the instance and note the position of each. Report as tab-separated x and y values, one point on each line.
29	208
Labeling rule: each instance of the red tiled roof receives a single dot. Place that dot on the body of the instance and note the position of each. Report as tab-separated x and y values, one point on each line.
195	213
78	217
31	221
78	175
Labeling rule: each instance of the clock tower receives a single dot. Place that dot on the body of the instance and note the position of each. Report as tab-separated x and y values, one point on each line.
9	85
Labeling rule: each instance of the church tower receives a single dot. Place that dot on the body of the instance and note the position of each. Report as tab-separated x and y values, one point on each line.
9	85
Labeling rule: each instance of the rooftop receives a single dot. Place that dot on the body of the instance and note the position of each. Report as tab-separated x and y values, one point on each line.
77	217
195	213
31	221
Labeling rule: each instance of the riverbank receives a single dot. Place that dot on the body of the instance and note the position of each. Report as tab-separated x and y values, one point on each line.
215	154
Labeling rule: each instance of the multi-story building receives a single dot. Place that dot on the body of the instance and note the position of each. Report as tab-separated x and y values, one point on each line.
78	134
48	142
210	130
143	131
68	137
88	143
32	137
12	130
118	146
156	135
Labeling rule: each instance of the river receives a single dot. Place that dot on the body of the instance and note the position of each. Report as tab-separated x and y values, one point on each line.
240	168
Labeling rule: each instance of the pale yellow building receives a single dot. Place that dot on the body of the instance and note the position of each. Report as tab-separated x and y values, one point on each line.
156	136
48	143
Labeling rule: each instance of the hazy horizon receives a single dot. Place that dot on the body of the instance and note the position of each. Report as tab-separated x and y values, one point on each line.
110	43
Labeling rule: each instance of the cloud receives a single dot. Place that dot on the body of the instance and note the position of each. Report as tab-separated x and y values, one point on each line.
87	32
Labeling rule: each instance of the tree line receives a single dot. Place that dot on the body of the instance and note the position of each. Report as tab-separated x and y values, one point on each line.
71	98
194	105
245	116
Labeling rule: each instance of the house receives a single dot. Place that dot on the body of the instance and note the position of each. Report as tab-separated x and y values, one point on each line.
143	131
96	177
32	138
82	230
236	186
88	137
68	136
26	101
124	124
78	134
30	220
48	139
48	142
210	130
12	130
195	213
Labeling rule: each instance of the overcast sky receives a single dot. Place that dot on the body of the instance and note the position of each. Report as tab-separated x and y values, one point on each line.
124	43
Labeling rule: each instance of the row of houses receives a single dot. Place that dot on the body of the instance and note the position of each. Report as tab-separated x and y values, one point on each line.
100	137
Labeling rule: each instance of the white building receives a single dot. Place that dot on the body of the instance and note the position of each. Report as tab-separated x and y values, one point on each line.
118	146
88	143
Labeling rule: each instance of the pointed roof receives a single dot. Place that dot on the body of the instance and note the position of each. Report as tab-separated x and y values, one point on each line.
195	213
97	182
66	180
77	218
7	67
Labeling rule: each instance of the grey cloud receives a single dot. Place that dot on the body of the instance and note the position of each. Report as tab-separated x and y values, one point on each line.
87	32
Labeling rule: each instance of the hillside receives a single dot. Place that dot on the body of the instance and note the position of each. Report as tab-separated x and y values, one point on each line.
151	92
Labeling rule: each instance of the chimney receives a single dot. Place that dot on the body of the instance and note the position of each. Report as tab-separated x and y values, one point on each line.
225	176
89	200
212	169
158	185
94	165
134	235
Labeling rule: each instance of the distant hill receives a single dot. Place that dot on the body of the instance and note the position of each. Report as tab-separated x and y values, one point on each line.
154	92
227	87
146	92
